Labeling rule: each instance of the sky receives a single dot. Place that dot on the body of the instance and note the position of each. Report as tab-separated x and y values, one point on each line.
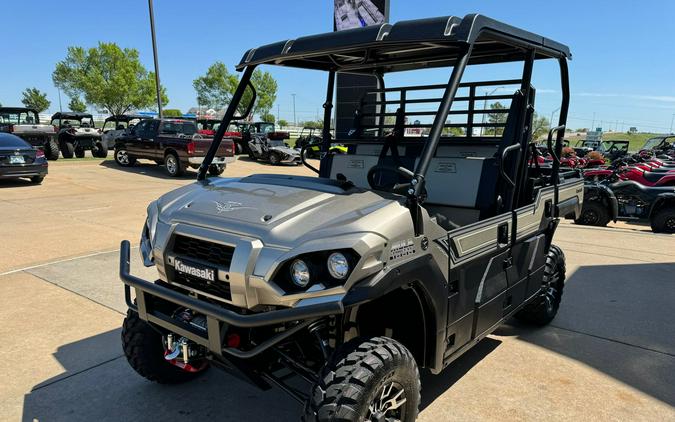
621	72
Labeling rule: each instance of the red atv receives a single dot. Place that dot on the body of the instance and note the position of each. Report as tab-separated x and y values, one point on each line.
652	173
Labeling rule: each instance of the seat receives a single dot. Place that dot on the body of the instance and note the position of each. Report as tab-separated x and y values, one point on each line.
652	177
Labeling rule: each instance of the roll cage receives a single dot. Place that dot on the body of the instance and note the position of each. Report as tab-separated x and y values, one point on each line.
419	44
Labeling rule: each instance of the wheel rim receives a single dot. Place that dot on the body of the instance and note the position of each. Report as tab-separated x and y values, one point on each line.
122	157
171	164
387	406
590	217
274	159
551	291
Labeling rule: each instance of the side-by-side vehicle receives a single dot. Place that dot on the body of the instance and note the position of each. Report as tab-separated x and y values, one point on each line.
401	255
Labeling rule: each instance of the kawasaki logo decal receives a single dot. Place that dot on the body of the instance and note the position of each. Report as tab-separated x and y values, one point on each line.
195	271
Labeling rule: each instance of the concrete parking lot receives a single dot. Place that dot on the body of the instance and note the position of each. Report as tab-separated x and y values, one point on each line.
609	355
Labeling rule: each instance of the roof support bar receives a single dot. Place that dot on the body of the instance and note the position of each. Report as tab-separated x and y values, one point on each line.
227	118
328	112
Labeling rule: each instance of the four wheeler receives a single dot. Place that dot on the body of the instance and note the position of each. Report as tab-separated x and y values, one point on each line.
651	173
25	123
276	152
311	141
78	133
627	199
116	126
399	257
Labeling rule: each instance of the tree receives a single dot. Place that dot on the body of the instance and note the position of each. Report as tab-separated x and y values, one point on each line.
312	124
110	78
267	117
77	105
283	123
266	90
216	87
172	112
540	126
496	118
34	98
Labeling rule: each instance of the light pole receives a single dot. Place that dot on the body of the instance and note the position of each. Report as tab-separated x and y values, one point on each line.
485	107
671	123
154	53
295	122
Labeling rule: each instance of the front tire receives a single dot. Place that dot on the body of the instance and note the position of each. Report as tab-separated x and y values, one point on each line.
100	150
79	152
122	158
275	158
67	149
545	306
664	220
367	379
144	350
593	213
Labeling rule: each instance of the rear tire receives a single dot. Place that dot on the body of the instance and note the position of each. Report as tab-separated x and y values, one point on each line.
367	379
52	150
67	149
593	213
79	152
100	150
542	309
216	169
144	350
664	220
173	165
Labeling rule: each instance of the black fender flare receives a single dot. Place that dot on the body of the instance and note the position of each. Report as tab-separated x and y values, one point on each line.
429	285
600	192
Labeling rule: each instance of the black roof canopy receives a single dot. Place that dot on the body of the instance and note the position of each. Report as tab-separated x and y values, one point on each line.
411	44
71	115
126	117
17	109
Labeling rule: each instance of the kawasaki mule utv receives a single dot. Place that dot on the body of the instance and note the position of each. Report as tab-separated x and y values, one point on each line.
25	123
402	254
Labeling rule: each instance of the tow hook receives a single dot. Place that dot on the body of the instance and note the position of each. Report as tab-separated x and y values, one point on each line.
184	354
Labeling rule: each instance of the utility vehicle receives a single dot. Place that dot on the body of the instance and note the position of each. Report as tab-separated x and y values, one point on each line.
173	143
660	145
311	142
25	123
629	200
401	255
274	151
78	133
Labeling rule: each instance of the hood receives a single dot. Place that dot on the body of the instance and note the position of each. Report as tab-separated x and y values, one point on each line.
280	209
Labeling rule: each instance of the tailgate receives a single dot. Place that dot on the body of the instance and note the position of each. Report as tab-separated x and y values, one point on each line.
226	148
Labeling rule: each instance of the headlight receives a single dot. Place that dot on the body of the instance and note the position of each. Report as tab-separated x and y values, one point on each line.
338	266
299	273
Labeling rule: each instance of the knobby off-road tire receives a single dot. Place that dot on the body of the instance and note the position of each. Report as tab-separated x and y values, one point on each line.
67	149
79	152
593	213
145	352
52	150
100	150
367	379
545	306
663	221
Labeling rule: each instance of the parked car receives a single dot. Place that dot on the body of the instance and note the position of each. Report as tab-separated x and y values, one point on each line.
630	200
400	256
115	126
274	151
77	133
18	159
173	143
25	123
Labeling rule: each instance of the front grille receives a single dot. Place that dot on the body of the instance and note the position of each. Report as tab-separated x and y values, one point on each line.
203	250
216	288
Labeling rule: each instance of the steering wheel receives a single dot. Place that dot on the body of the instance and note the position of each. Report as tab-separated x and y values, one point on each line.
399	188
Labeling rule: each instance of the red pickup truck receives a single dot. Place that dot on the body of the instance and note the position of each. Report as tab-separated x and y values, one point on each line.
173	143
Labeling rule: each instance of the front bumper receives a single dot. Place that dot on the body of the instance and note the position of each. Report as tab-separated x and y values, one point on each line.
26	170
216	160
217	318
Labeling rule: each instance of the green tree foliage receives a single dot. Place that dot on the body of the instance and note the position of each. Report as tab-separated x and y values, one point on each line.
110	78
266	90
312	124
216	87
283	123
496	118
77	105
267	117
540	126
34	98
172	112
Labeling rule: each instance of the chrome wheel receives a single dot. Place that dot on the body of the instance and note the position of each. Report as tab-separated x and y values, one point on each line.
388	404
122	157
171	164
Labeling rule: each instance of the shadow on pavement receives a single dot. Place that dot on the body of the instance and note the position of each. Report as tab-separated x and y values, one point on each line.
149	169
13	183
615	319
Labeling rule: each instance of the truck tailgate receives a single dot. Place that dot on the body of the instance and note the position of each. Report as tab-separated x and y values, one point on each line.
225	149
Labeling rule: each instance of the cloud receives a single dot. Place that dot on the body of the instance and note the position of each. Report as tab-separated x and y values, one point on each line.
660	98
